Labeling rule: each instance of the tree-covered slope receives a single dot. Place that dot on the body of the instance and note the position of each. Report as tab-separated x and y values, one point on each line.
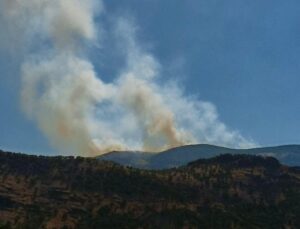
228	191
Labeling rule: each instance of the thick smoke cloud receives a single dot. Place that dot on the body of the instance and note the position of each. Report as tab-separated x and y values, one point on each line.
81	114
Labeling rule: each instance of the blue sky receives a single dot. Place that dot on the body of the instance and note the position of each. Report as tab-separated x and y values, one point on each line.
243	56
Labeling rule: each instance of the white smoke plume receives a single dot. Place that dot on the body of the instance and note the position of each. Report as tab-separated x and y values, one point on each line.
77	111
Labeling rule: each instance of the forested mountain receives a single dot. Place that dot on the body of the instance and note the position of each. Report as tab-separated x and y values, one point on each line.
228	191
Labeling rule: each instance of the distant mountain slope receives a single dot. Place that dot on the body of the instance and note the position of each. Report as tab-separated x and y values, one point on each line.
131	158
228	191
289	155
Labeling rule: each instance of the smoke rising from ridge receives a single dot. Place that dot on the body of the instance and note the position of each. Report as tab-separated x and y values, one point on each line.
81	114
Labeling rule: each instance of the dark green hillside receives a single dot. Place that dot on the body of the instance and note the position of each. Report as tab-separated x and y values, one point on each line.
228	191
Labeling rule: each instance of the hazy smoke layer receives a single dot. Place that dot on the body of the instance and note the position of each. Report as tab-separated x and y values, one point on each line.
81	114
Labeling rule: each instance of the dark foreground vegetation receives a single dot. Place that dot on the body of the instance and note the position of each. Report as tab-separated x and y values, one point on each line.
227	191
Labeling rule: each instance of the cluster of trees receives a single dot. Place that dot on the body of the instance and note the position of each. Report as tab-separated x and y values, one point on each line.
224	192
